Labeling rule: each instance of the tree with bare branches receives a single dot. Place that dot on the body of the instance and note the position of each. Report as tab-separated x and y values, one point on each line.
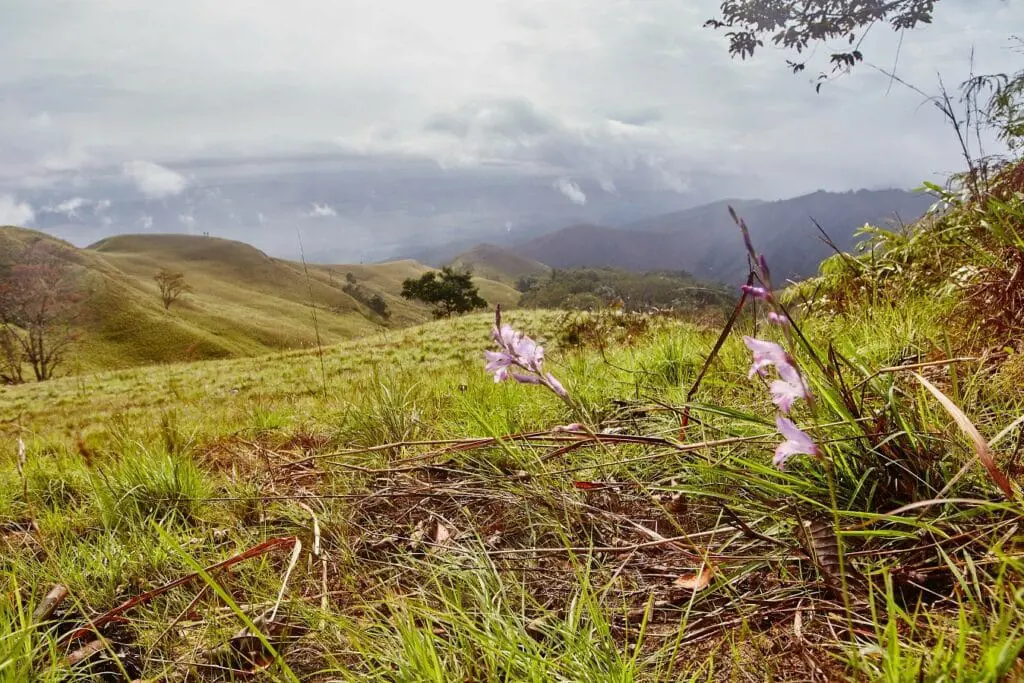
172	285
39	301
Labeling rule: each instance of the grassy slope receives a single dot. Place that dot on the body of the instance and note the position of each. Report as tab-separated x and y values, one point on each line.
198	450
245	303
649	556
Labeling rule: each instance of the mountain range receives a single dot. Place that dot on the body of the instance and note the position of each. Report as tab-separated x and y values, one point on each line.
706	242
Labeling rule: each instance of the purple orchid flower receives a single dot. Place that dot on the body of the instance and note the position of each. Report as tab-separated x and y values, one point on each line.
777	319
797	442
766	353
784	393
519	358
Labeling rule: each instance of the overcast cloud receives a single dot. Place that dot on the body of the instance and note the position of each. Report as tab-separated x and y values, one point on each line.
598	95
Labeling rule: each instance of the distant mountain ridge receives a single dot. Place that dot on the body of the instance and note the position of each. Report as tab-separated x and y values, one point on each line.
705	242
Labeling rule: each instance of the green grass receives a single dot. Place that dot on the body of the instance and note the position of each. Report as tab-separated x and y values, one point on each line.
390	513
136	477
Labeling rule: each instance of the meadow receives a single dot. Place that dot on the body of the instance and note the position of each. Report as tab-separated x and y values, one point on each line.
382	509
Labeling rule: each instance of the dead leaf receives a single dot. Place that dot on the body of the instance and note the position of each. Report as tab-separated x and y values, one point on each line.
441	534
697	581
981	447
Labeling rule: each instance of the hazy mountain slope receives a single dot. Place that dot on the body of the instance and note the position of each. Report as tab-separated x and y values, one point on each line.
705	242
499	263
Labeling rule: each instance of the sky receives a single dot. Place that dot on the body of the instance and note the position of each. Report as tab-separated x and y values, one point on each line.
597	94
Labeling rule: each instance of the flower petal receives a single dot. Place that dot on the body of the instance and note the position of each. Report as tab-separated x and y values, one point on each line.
556	386
784	393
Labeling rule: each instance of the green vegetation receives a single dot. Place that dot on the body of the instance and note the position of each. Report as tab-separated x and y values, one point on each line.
593	288
387	511
448	291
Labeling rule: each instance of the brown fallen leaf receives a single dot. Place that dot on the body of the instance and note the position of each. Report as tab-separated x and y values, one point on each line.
85	652
697	581
49	604
981	447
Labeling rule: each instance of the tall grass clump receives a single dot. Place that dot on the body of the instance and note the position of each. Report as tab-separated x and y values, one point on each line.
146	484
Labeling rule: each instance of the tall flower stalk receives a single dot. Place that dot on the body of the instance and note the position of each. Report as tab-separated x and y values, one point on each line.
790	386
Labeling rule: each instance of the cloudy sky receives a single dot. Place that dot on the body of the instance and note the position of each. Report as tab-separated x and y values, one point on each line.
598	92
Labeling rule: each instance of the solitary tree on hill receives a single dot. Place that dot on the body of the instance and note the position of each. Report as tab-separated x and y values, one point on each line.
449	291
39	301
172	285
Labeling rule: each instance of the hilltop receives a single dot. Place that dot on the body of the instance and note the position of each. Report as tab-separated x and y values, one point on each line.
500	264
244	302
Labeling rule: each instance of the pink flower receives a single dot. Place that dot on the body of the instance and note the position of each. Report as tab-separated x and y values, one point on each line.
498	363
766	353
517	351
574	427
777	319
784	393
796	442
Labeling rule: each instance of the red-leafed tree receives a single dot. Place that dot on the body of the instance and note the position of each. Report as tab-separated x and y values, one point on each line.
39	301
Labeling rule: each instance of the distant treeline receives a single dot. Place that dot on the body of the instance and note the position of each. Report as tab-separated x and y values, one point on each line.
595	288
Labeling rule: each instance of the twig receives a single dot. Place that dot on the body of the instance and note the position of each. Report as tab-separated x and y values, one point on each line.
915	366
684	419
110	615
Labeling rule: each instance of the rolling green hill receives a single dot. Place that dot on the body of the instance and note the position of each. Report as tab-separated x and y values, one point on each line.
500	264
244	302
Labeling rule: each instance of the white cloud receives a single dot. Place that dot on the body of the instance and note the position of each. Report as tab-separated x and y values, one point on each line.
68	207
188	220
101	206
153	180
145	222
571	191
321	211
13	212
112	86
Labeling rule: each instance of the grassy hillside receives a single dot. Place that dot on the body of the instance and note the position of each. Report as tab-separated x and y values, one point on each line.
500	264
386	511
244	302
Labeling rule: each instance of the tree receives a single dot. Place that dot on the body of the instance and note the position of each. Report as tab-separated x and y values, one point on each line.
172	285
39	301
797	24
377	304
452	292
